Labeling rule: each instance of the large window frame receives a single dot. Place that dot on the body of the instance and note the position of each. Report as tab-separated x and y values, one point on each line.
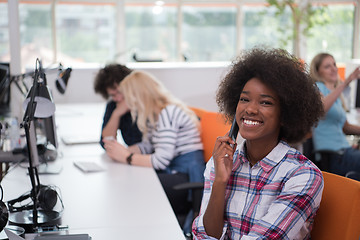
120	6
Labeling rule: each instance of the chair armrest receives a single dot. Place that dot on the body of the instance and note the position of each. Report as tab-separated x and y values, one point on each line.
353	175
197	190
189	185
322	159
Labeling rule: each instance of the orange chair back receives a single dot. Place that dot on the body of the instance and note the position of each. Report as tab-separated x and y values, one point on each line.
198	111
212	126
339	214
341	70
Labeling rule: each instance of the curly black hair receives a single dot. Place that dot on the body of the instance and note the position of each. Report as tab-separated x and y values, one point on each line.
300	99
108	77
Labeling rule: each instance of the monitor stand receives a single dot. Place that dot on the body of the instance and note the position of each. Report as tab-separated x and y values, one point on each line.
49	168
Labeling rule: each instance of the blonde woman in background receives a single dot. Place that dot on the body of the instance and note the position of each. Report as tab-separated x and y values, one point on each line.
331	131
171	138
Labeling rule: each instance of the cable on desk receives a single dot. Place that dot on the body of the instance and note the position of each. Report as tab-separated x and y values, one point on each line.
13	166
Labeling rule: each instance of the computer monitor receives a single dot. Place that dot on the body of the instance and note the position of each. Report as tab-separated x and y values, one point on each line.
46	139
4	89
46	127
352	97
45	135
357	94
44	144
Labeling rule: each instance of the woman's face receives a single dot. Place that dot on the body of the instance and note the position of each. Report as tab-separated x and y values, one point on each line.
115	94
328	70
258	113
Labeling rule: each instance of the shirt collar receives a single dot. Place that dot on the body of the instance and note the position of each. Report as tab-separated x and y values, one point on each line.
272	159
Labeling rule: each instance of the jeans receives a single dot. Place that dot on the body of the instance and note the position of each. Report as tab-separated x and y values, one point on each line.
346	162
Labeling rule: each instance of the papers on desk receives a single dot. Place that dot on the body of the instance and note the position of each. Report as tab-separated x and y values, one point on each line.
12	235
88	166
64	237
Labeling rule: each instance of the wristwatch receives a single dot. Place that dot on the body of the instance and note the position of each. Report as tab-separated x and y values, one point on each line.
129	158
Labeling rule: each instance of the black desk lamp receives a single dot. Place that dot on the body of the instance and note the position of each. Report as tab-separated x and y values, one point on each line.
39	104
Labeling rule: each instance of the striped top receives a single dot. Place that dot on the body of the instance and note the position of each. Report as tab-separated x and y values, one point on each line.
275	199
174	134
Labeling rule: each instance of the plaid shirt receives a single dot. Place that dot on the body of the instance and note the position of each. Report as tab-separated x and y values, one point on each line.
277	198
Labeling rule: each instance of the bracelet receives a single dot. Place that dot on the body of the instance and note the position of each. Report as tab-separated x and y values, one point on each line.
129	158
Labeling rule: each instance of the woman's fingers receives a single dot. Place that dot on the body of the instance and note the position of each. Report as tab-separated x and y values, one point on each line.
223	148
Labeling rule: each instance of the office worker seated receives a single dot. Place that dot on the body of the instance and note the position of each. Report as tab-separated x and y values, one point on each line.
330	133
116	117
263	188
171	139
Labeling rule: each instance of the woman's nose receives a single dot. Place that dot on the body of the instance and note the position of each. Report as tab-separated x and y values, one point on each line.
252	108
335	69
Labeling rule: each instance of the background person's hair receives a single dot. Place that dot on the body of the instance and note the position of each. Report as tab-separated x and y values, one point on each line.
300	100
146	97
109	77
314	73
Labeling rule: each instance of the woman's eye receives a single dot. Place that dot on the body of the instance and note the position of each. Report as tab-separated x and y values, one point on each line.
266	103
243	99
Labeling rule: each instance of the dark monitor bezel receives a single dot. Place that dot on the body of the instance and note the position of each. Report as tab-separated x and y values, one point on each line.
5	89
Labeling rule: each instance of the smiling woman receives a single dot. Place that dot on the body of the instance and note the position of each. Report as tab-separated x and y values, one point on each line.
258	116
274	102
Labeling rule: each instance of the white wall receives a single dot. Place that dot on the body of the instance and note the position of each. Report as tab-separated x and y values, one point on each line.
193	83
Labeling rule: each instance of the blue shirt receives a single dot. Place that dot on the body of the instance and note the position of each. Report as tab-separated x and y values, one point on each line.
329	135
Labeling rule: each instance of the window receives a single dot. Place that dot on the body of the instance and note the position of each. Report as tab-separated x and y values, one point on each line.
4	33
35	32
85	33
151	32
262	27
336	36
209	32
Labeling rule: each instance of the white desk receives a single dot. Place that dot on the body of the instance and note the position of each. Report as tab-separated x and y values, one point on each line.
122	202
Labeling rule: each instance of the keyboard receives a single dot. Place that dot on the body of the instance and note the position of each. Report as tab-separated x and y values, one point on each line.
80	139
87	166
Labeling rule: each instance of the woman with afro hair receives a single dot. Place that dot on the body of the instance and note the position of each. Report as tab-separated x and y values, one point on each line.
263	188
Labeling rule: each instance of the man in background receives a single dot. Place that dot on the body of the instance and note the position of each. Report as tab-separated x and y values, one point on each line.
106	83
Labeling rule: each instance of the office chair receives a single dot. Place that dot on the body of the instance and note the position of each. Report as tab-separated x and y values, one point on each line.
353	175
320	158
339	214
212	125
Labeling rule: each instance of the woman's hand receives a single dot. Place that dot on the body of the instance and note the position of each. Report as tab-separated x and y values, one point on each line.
116	151
121	108
223	158
354	75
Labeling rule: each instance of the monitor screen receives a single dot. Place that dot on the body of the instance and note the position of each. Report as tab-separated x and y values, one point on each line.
47	128
4	89
357	95
352	92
